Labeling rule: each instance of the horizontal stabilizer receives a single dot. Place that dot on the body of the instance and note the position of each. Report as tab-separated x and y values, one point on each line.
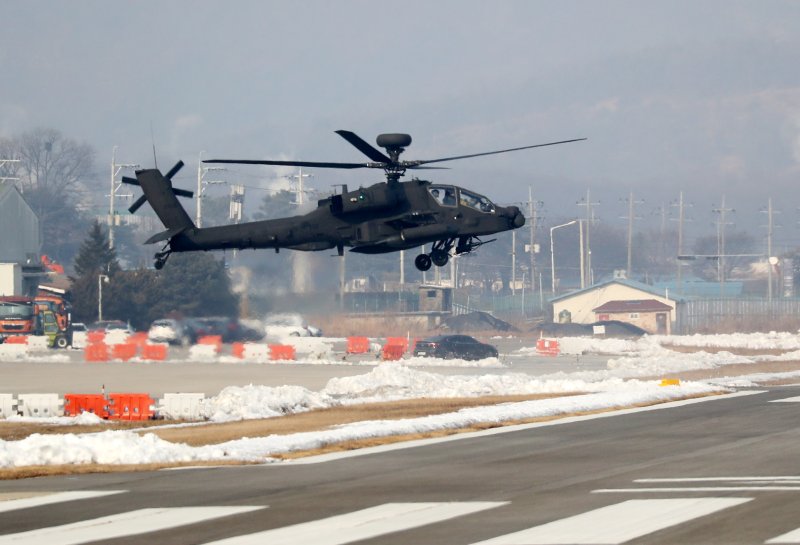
165	235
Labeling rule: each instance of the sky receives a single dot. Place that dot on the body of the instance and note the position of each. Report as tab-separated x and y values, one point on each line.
621	384
695	96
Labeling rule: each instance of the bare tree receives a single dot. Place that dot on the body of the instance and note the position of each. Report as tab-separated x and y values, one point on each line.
53	174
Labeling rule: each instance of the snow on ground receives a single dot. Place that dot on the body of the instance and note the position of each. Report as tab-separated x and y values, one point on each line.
615	386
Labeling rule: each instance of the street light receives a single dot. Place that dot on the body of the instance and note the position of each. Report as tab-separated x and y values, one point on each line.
553	255
100	279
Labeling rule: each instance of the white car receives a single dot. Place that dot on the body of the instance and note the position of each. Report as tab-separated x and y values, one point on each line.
289	325
168	331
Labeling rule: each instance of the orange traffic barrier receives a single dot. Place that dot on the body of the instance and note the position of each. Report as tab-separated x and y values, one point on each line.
95	352
139	338
398	341
392	352
75	404
214	340
130	406
281	352
16	339
237	349
547	347
357	345
154	352
96	336
124	351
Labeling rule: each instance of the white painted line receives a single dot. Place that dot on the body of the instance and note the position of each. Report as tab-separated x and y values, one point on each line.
125	524
698	489
617	523
56	497
720	479
359	525
504	429
788	537
787	400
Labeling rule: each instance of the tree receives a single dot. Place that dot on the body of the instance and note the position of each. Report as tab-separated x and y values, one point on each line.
94	258
54	173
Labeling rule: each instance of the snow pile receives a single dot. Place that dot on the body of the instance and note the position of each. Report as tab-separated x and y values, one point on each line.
250	402
13	352
125	447
753	341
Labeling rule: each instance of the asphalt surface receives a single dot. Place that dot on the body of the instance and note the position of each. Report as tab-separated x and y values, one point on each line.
39	374
731	466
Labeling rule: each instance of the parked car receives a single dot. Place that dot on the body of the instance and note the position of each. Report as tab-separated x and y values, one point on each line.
228	328
112	325
289	325
169	331
454	346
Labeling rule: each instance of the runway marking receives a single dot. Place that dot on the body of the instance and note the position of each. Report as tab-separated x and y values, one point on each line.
617	523
121	525
788	537
363	524
504	429
57	497
787	400
737	484
699	489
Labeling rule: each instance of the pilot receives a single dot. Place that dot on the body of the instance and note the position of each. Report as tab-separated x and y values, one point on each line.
435	193
449	197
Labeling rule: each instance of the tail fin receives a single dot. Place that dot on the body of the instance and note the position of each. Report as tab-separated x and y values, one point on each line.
158	191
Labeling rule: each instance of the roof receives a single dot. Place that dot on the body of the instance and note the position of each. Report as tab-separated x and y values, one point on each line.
623	281
634	305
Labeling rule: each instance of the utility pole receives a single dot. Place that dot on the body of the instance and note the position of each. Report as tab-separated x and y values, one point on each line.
115	185
3	164
770	232
721	223
630	217
513	262
533	218
201	187
681	204
590	219
301	261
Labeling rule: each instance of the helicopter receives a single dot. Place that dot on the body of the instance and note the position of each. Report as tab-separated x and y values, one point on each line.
385	217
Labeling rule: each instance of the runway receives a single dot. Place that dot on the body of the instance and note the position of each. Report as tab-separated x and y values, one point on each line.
717	471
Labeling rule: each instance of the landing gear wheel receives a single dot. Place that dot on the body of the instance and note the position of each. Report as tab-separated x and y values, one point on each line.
439	258
159	264
422	262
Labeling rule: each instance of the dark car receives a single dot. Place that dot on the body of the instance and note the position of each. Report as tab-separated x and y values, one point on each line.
228	328
454	346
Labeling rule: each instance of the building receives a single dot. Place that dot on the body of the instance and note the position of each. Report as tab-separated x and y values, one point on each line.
20	243
579	306
651	315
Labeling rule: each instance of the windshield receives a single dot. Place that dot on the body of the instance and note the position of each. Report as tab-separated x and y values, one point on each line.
443	194
476	202
15	312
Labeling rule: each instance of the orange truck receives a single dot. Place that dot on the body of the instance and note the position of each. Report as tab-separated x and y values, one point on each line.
46	314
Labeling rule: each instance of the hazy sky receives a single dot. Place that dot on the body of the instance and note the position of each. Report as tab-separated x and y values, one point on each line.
699	96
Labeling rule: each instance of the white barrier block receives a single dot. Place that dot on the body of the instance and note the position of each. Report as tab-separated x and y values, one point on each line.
38	343
7	405
256	352
12	352
202	352
181	406
116	336
79	340
40	405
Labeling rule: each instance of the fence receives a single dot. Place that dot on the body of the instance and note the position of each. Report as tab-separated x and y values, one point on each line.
706	314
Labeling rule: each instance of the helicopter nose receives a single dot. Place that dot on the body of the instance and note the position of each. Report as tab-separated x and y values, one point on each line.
515	217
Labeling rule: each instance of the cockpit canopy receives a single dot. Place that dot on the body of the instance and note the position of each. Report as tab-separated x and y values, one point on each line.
445	195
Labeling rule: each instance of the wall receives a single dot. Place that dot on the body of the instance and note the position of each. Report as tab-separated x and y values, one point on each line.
10	279
581	304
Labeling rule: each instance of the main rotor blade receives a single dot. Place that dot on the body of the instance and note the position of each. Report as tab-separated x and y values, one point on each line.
364	147
292	163
494	152
138	204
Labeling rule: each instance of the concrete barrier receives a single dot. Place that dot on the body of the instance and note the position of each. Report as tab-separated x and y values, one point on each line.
40	405
7	405
181	406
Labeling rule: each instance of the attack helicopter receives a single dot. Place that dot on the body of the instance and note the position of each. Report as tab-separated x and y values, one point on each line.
385	217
